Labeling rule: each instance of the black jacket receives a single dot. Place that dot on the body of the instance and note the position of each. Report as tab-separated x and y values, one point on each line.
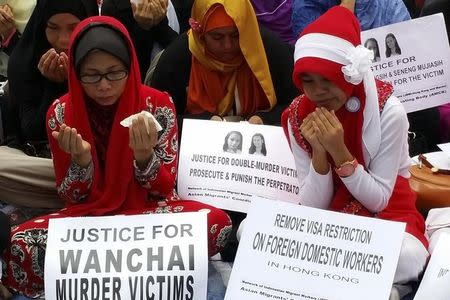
173	70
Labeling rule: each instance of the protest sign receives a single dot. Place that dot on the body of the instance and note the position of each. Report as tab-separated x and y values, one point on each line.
414	56
445	148
295	252
434	284
220	165
157	256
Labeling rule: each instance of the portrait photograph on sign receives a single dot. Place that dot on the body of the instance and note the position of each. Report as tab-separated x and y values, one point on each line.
229	164
417	70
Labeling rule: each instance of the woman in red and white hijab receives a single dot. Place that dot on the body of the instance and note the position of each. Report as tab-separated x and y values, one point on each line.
348	134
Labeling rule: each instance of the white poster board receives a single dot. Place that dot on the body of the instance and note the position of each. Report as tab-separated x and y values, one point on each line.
435	281
445	148
421	73
211	173
295	252
163	256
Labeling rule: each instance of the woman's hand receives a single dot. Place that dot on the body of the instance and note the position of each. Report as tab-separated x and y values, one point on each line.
255	120
349	4
71	142
142	140
7	24
149	13
307	130
53	66
330	133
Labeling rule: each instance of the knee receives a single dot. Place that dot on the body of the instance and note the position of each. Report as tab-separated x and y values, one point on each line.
412	260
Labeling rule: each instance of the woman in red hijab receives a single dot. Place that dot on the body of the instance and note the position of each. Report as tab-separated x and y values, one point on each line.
348	134
101	167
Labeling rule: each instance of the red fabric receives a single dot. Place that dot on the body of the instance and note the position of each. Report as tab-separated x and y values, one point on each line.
349	30
25	258
114	188
218	18
401	206
101	118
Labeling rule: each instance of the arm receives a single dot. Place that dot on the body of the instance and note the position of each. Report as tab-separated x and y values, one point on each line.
32	102
305	12
316	190
77	183
10	42
74	183
172	72
349	4
163	33
160	172
280	57
374	187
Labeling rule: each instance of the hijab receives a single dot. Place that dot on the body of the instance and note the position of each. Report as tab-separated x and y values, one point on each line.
331	47
28	88
212	83
114	187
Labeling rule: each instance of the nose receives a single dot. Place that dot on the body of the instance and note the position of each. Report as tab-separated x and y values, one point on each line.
63	40
227	43
104	84
319	89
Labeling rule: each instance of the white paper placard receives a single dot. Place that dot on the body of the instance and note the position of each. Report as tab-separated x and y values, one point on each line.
435	281
295	252
438	159
445	148
210	173
420	74
163	256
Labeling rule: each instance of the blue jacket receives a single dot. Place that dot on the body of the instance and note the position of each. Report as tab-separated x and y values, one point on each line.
370	13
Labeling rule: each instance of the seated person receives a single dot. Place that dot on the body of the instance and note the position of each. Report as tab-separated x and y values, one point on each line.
348	135
37	74
147	23
226	66
101	167
370	13
15	15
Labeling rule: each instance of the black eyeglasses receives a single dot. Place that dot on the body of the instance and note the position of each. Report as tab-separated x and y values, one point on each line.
110	76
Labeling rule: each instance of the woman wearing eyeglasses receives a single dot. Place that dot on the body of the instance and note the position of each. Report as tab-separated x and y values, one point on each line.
101	167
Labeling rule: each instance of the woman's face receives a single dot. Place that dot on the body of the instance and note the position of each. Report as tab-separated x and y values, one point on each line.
390	41
257	141
223	43
322	91
371	45
234	140
104	92
58	30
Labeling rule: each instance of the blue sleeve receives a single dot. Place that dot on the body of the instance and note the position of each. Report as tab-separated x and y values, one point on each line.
376	13
307	11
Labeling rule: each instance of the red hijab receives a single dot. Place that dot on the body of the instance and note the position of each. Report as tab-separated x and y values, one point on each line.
114	187
352	122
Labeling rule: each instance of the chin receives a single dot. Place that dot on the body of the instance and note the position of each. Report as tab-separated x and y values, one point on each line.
106	101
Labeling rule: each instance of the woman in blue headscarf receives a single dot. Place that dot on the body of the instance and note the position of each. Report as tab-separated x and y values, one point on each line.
370	13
